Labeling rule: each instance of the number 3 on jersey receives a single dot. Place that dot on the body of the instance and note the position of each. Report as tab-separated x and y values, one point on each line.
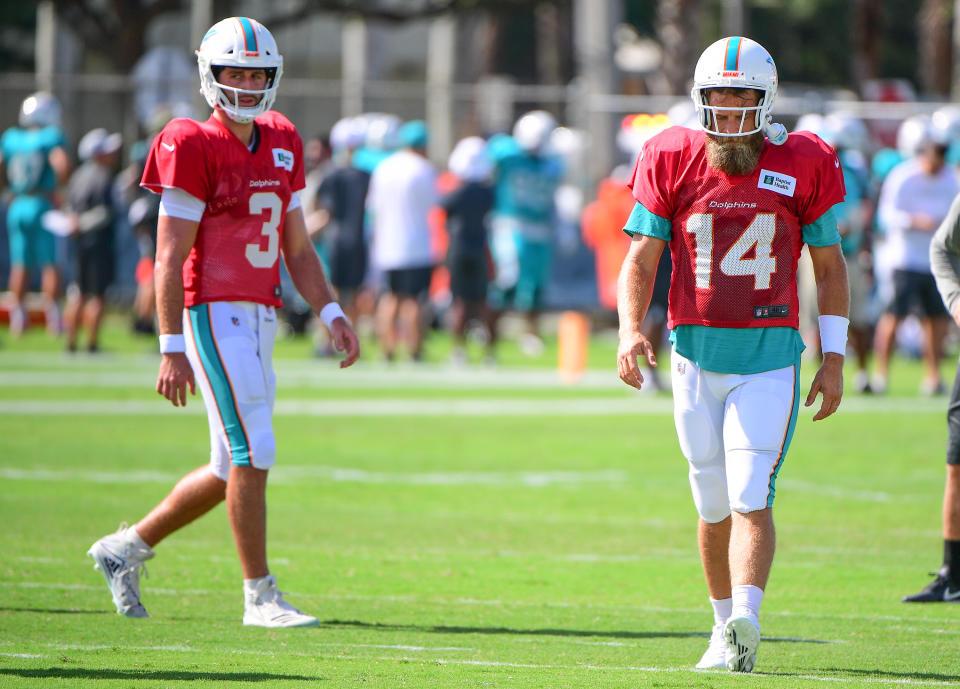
260	202
758	236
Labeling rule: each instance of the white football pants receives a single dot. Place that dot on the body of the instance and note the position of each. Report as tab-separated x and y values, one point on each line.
230	347
734	431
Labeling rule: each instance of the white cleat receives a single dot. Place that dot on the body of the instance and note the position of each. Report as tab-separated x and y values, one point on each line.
715	656
264	606
120	562
742	635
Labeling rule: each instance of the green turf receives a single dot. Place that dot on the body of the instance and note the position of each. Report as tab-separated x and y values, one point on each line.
523	542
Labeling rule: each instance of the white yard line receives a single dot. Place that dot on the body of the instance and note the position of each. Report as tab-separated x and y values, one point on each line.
457	602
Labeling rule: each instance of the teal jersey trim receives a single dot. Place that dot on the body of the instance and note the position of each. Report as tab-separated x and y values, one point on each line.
216	373
788	437
738	350
823	231
642	221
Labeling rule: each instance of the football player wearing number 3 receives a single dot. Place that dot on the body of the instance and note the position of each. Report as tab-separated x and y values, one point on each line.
735	202
229	208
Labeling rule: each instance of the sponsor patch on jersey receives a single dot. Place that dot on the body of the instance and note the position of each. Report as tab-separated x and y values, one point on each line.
775	311
778	182
283	158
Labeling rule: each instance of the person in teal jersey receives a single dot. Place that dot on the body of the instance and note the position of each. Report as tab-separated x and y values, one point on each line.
735	200
34	158
526	178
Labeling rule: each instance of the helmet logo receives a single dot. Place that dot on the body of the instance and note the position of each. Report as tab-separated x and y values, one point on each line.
731	74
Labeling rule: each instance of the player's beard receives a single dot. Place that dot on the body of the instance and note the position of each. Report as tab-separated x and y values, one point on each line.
734	155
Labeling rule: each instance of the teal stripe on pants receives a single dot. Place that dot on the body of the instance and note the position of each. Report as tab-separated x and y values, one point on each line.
791	427
220	384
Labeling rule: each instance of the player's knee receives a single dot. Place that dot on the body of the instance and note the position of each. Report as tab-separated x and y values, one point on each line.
709	488
263	451
752	485
699	441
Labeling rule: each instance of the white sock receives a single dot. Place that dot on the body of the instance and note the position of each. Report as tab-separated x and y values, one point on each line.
722	609
134	539
251	584
746	601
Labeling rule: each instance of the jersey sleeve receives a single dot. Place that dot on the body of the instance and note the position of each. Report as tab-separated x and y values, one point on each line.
650	183
177	161
825	177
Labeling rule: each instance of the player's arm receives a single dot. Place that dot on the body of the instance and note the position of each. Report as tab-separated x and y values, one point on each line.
833	299
945	259
175	238
310	279
634	290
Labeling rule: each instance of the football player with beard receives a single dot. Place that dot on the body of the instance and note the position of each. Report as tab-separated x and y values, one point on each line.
735	202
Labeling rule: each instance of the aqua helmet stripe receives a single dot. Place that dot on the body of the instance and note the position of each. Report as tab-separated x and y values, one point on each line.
249	35
733	55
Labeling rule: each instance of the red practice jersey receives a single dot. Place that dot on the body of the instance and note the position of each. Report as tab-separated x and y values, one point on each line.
736	240
247	194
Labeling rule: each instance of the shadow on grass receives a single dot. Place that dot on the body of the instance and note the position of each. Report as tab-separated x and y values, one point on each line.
64	673
443	629
905	677
59	611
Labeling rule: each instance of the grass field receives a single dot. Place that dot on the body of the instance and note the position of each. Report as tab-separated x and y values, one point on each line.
456	528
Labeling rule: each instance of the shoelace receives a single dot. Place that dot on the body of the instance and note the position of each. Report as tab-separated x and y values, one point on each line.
131	585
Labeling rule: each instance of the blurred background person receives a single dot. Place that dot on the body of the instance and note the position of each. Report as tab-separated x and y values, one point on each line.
526	178
37	164
342	195
467	209
603	223
296	311
90	202
143	210
914	199
402	192
850	139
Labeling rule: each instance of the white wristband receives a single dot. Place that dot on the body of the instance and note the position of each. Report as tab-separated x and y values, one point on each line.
833	334
172	344
331	312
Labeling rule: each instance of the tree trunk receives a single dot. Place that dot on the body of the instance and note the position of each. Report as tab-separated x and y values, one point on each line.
934	46
866	20
678	28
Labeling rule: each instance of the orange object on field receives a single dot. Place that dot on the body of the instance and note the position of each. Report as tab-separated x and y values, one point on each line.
573	339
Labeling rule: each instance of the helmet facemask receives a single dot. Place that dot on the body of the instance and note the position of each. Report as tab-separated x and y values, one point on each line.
228	97
752	118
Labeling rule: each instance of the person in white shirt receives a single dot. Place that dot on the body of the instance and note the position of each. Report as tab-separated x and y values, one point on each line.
403	190
914	199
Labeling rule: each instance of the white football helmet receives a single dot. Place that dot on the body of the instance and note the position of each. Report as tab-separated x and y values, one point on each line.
917	133
347	134
469	160
41	109
847	131
532	131
245	43
947	121
738	62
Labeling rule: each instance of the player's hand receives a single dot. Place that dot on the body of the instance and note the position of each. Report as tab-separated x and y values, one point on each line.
956	314
633	345
829	383
174	378
345	340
